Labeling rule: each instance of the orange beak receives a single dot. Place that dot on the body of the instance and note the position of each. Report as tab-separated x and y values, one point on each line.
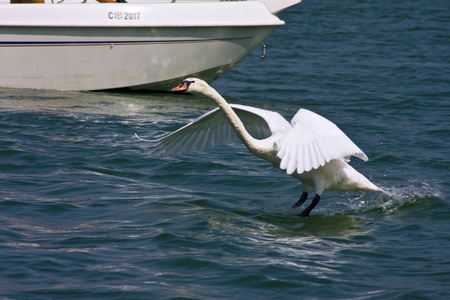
181	88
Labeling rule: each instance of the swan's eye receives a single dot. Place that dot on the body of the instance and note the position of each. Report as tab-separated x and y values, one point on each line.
189	82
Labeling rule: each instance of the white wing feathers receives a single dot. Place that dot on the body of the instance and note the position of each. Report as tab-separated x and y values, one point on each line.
214	129
311	142
308	142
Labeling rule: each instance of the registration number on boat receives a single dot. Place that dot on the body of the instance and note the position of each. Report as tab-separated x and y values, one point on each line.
119	15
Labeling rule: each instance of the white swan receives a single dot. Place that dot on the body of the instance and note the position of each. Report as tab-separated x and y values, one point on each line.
310	148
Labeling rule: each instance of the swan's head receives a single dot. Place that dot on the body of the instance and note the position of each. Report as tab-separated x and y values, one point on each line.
194	85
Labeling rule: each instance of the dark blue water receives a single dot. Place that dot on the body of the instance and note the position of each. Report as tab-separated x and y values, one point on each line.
87	213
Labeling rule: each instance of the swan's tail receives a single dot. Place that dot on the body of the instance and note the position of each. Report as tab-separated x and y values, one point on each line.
357	181
377	189
366	185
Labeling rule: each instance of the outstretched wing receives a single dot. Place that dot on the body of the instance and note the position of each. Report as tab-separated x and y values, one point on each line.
312	142
213	129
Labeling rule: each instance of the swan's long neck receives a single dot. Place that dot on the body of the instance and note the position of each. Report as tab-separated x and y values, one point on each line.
237	124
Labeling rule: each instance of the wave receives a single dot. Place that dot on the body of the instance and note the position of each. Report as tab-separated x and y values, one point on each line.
414	192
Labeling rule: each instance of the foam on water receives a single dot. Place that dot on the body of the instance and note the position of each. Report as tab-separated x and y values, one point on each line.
397	198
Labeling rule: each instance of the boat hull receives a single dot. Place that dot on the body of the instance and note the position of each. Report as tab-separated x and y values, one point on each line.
107	58
136	55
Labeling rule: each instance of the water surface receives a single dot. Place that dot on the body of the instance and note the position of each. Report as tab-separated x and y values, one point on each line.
87	213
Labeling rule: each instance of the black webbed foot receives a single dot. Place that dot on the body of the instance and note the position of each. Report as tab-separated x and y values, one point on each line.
301	200
306	211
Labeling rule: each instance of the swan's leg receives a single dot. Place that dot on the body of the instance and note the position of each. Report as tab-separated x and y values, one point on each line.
313	204
301	200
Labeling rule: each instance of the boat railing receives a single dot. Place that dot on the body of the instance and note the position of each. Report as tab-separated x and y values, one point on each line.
274	6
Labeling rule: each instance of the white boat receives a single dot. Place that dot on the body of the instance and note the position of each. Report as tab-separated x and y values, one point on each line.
137	45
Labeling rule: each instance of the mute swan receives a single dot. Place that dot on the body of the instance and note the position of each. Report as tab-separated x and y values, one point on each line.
310	148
